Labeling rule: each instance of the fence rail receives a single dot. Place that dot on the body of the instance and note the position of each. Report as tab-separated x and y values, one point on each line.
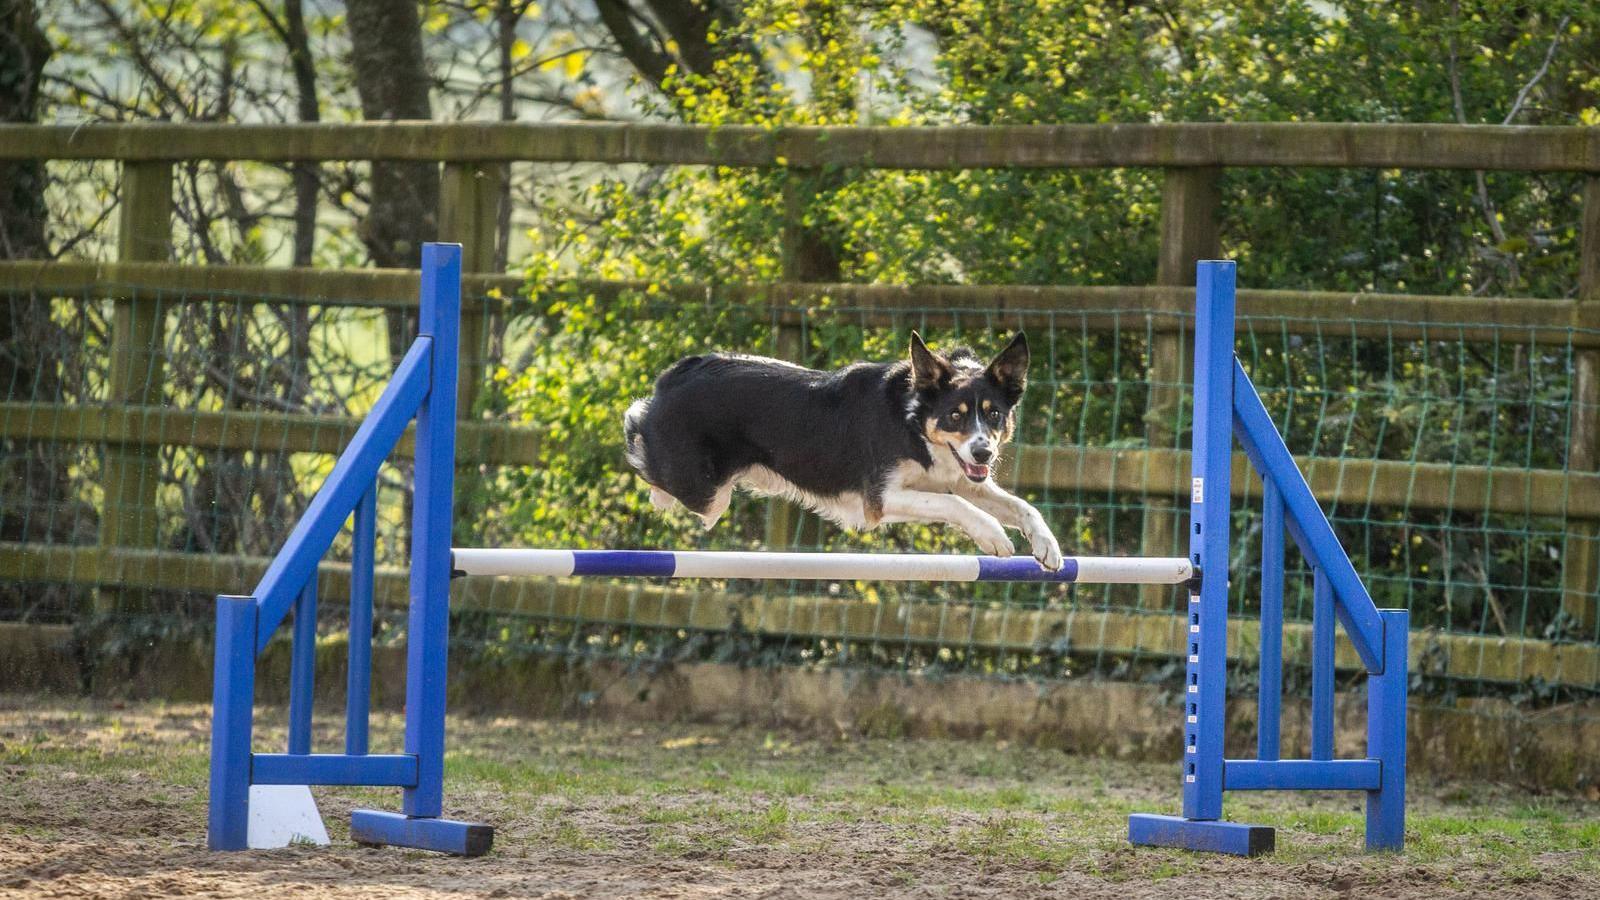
132	427
153	426
1056	630
1387	146
1330	313
1139	472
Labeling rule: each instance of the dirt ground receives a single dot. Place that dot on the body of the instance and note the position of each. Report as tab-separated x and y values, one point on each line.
109	801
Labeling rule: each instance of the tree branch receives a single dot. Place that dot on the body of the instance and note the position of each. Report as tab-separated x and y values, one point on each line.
1549	55
1490	214
687	22
640	50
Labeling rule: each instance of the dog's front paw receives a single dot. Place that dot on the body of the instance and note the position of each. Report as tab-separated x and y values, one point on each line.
1045	548
991	537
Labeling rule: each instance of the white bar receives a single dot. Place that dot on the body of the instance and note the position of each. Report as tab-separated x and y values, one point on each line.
512	562
830	566
1133	570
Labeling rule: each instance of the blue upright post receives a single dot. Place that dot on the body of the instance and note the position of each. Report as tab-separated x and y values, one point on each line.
1210	498
428	641
1270	681
428	638
233	685
1209	544
1386	735
1322	622
303	667
359	683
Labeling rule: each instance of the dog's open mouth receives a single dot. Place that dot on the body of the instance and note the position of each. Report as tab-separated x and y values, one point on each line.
973	471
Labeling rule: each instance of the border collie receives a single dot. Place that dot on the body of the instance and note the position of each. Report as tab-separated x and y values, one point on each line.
869	444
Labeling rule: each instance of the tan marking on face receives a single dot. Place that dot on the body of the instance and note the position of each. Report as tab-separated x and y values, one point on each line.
961	408
937	435
987	405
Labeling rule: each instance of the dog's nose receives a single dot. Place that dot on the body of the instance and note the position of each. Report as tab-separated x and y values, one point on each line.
982	453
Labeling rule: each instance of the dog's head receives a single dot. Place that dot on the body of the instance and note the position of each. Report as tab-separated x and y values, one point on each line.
963	406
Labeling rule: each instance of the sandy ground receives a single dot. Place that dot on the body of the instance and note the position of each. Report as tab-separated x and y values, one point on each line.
99	801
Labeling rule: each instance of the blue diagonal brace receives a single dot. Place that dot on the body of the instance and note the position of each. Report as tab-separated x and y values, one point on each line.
352	475
1268	453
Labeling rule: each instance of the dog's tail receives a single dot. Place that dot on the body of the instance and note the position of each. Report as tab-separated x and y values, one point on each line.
632	440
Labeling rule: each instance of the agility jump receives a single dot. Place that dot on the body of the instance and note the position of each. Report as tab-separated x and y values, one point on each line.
243	804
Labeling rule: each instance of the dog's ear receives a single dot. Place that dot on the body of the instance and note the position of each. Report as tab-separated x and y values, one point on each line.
1010	368
927	370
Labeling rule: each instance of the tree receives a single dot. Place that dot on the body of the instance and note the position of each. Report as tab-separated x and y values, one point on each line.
291	29
392	81
24	51
658	36
33	346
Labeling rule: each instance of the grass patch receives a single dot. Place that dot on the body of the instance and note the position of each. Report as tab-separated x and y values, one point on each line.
934	817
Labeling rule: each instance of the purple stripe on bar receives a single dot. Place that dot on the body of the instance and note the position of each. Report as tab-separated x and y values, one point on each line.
1023	568
623	562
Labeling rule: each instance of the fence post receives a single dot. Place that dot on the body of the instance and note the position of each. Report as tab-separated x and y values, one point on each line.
132	472
1581	557
1189	204
804	258
469	205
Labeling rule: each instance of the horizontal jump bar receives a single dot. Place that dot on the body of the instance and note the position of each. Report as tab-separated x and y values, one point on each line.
841	566
398	770
1301	774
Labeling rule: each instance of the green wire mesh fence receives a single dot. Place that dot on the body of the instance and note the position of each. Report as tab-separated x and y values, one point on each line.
1443	451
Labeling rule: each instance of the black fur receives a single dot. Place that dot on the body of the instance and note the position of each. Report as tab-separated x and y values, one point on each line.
827	433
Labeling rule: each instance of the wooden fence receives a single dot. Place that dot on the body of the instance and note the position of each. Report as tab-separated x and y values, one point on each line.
132	426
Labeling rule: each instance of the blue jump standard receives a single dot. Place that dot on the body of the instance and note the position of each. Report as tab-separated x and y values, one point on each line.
424	389
1227	409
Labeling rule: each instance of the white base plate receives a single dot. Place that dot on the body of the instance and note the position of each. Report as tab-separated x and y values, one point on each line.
284	814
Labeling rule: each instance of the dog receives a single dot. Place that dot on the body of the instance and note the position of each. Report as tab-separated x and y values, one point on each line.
870	444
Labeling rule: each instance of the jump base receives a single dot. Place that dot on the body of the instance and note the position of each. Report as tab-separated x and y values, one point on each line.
1194	834
375	827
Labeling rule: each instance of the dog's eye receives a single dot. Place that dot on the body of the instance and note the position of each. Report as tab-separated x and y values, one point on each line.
995	416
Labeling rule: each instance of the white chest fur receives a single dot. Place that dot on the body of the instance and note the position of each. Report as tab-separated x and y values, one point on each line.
942	477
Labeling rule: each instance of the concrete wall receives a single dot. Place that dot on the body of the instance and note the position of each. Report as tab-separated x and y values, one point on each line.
1556	748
